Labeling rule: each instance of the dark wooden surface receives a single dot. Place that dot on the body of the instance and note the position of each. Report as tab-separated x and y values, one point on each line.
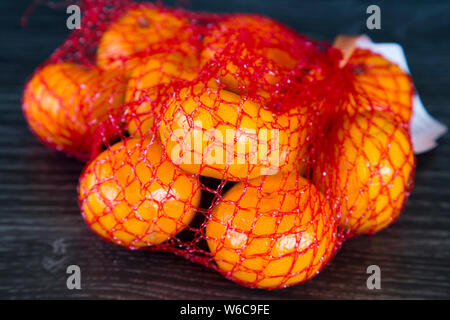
42	232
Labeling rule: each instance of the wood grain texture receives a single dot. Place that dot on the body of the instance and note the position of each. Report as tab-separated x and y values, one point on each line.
42	232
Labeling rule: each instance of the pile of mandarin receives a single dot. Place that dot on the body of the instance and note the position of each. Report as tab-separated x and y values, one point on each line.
230	140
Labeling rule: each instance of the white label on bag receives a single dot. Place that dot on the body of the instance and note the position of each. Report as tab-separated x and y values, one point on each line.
425	130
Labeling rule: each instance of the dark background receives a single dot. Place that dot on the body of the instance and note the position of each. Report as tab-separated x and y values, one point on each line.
42	231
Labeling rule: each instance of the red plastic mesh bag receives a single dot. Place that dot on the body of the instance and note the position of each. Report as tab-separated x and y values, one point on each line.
230	140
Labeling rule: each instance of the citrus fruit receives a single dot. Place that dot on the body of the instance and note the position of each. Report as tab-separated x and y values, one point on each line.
246	44
381	84
132	196
145	83
65	102
369	170
213	132
272	232
124	42
257	29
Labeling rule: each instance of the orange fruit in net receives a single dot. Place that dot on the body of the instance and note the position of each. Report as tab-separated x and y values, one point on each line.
133	196
257	28
217	133
381	84
144	86
64	103
124	42
256	40
272	232
369	170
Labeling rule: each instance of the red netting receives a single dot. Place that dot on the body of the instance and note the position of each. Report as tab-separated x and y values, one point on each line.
229	139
